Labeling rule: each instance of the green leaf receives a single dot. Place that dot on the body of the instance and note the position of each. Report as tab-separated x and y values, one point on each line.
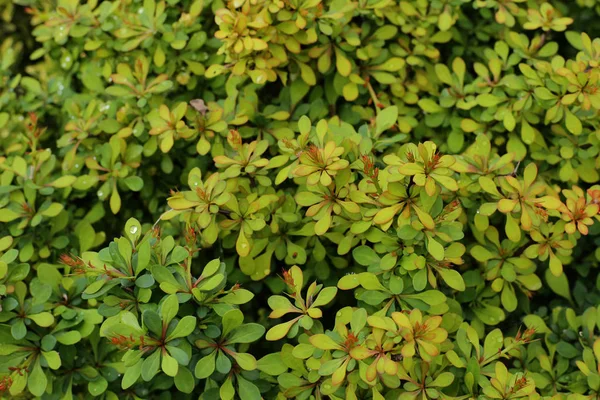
8	215
493	343
231	320
246	333
222	363
37	381
52	359
279	331
452	278
349	282
151	366
52	210
205	366
245	361
184	327
133	229
239	296
153	322
443	380
98	386
169	309
184	380
95	286
18	330
211	268
227	392
489	315
43	319
144	281
558	284
169	365
489	100
325	296
143	257
272	364
435	249
247	391
304	125
115	201
567	350
365	255
386	119
64	181
132	374
324	342
68	338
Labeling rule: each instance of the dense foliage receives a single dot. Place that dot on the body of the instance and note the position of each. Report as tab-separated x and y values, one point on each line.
313	199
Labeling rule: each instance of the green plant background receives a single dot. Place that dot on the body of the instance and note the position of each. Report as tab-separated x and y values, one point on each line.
313	199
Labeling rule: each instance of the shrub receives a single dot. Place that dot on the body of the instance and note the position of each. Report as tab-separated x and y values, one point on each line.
299	199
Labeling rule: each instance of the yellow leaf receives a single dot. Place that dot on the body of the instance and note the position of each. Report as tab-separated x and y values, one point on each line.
343	65
279	331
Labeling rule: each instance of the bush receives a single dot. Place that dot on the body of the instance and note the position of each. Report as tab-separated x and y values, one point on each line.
368	199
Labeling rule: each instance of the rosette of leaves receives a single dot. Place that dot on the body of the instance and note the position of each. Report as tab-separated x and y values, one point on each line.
219	355
115	166
247	160
168	125
209	124
324	202
246	215
307	307
419	334
521	198
429	168
201	204
504	385
135	84
506	270
335	354
551	244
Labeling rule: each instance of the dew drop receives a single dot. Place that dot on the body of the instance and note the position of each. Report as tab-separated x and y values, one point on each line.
133	230
100	193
